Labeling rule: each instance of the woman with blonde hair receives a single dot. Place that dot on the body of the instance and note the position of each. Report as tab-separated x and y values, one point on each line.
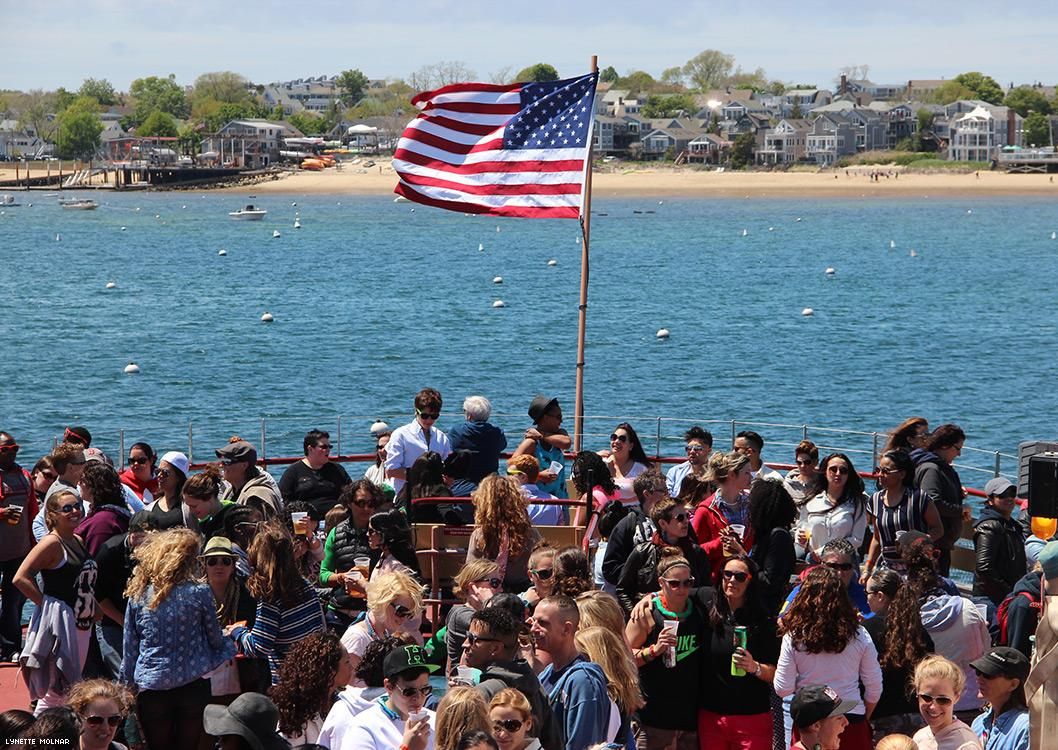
721	521
394	605
475	584
602	609
172	638
511	717
461	710
541	573
102	705
504	532
939	683
288	608
609	651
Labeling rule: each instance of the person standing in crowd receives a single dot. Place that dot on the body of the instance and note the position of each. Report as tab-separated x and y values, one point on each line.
750	445
897	508
460	710
394	600
44	476
1001	675
626	461
419	436
476	582
998	543
248	723
366	687
836	508
547	442
939	683
819	715
608	649
771	516
168	507
202	498
69	462
376	472
101	491
513	724
18	507
525	470
484	440
936	478
635	528
315	669
594	484
728	506
823	643
348	541
172	638
576	688
139	476
910	435
101	705
234	604
503	531
839	556
699	444
288	608
247	484
315	479
57	640
801	477
572	572
670	717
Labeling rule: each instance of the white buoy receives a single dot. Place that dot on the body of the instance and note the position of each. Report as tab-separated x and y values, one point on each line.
222	252
552	262
267	318
497	230
497	279
830	271
297	223
913	253
413	209
1054	235
771	229
798	218
481	247
132	368
892	244
183	206
295	203
499	303
663	333
275	234
137	208
339	203
808	311
123	229
379	427
969	210
58	238
111	285
745	232
661	203
157	216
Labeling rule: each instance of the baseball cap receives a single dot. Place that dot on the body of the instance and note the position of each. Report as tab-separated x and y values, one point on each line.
1003	661
177	460
539	406
814	703
236	452
406	658
94	454
999	485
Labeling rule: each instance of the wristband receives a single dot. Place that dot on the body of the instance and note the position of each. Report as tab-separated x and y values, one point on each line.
756	672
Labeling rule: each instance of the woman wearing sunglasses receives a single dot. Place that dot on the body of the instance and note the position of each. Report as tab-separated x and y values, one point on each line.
670	716
102	706
376	472
736	689
346	542
139	476
836	508
168	508
541	573
511	717
720	521
394	606
234	604
823	643
639	574
503	530
939	683
797	481
626	461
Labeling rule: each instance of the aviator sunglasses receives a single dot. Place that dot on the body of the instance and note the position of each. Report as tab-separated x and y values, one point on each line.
95	721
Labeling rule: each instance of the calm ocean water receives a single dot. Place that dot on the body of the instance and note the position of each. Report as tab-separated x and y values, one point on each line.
373	300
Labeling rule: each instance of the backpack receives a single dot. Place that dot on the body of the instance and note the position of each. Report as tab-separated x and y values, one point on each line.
1003	612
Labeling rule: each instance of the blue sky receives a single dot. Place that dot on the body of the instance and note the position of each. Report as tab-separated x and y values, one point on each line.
65	41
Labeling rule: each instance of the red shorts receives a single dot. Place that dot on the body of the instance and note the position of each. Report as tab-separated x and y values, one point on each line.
720	732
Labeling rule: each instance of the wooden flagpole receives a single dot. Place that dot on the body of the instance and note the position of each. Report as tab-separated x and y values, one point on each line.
585	227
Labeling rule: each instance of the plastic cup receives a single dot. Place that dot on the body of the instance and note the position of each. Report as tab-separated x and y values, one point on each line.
672	626
14	521
362	564
739	529
465	675
300	520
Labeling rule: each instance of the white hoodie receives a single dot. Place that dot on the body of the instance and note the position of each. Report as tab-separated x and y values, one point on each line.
349	727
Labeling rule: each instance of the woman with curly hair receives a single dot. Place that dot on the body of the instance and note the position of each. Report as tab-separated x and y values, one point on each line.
108	514
609	650
462	709
823	643
721	521
503	531
102	706
836	508
594	484
172	638
315	669
572	572
288	608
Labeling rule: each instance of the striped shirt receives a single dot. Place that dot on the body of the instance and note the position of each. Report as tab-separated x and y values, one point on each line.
908	515
276	629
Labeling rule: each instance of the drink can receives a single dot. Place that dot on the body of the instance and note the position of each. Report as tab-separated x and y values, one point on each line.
740	642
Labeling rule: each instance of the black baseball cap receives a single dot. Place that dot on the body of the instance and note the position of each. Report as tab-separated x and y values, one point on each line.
814	703
1003	661
404	659
235	452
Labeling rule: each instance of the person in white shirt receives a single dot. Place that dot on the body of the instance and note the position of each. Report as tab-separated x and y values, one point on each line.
750	444
699	446
399	718
410	441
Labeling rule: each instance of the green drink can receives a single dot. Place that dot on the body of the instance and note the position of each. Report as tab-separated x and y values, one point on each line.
740	642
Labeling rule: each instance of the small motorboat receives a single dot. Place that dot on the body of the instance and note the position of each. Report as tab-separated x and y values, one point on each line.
8	200
78	204
249	213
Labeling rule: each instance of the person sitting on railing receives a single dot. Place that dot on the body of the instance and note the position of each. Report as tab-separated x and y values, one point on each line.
504	531
546	440
626	460
315	479
592	475
806	456
721	520
485	441
425	478
419	436
836	509
750	444
525	470
936	477
699	446
635	528
1000	549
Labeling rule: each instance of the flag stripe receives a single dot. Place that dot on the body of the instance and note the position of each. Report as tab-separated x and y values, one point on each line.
456	137
544	156
462	126
470	207
423	136
404	160
482	108
491	188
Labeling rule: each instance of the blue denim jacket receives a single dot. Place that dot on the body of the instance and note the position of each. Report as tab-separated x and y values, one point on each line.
1008	731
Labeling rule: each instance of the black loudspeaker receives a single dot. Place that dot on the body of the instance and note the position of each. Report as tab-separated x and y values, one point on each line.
1043	485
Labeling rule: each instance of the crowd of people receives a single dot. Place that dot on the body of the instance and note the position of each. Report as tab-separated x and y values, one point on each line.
721	604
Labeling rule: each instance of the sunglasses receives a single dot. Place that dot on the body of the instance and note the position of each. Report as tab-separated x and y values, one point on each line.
837	470
10	448
886	470
737	575
493	582
676	583
364	503
403	613
695	448
325	447
214	560
50	476
69	508
940	700
96	721
475	639
164	474
408	692
543	574
681	517
427	414
804	462
138	461
843	567
507	725
615	438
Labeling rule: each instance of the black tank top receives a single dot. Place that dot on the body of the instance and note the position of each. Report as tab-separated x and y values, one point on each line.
672	692
74	582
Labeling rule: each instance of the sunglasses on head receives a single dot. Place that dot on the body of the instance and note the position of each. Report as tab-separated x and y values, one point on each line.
219	560
507	725
844	567
138	460
96	721
738	575
408	692
940	700
676	583
543	574
493	582
615	438
427	414
403	613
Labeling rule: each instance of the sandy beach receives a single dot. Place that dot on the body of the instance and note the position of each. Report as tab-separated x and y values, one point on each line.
650	180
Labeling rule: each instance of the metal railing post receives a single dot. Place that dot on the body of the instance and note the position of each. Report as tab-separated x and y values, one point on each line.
339	434
657	449
999	462
190	444
874	449
121	447
264	452
804	432
732	433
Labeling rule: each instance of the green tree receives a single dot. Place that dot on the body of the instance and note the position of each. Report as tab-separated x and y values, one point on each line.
984	87
189	140
951	91
924	127
708	69
64	99
79	129
36	114
637	82
222	86
1025	99
539	73
672	76
351	84
743	151
757	80
152	94
99	89
669	105
308	123
216	115
1036	130
608	74
158	124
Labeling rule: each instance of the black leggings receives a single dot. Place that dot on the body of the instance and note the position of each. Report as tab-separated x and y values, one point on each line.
172	719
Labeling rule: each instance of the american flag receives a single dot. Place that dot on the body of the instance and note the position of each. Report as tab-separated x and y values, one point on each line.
508	150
